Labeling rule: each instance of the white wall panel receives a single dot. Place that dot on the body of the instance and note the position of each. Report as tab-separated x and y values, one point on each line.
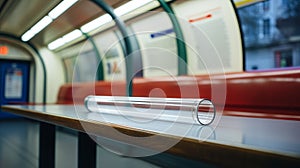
158	44
211	34
112	56
55	74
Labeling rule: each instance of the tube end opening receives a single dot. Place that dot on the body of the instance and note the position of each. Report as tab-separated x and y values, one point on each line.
206	112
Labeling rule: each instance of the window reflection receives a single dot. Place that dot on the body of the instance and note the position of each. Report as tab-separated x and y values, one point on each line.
271	32
81	68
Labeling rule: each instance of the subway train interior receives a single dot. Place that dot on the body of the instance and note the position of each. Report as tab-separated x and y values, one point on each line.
149	83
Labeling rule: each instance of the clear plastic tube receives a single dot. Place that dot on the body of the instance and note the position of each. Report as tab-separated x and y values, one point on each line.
200	111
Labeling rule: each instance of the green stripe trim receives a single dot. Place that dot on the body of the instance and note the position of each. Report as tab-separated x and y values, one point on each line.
100	69
129	49
181	48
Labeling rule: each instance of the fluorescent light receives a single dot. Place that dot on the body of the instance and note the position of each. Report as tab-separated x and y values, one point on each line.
55	44
130	6
45	21
92	25
27	36
96	23
61	8
72	35
65	39
41	24
122	10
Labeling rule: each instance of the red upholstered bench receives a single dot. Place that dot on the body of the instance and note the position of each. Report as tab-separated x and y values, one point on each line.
273	94
76	92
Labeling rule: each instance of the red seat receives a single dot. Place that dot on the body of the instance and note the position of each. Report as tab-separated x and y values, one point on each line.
271	93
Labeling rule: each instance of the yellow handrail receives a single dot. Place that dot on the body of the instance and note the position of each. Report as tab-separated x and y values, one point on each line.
242	3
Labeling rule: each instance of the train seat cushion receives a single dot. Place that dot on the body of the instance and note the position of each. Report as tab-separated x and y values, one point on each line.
267	92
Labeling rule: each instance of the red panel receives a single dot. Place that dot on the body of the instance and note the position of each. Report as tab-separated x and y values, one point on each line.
274	92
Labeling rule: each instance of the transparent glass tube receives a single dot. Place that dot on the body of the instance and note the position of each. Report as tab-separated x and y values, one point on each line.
200	111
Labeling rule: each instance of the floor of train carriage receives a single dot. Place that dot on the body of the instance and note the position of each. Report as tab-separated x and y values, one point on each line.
19	148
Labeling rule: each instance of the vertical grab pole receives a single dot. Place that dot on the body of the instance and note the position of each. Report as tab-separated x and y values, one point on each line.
128	44
47	145
87	151
181	48
100	69
44	72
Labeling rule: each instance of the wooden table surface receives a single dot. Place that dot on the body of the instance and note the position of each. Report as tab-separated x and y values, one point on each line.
228	141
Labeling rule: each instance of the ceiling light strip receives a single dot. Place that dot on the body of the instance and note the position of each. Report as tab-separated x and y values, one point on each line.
55	44
27	35
61	8
40	25
65	39
98	22
46	20
72	36
130	6
120	11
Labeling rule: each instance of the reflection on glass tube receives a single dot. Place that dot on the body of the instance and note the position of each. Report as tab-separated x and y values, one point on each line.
200	111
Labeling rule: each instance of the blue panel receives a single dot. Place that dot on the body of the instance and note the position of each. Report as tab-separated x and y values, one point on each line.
14	83
162	33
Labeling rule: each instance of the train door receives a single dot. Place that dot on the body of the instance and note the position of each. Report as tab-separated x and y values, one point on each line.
14	82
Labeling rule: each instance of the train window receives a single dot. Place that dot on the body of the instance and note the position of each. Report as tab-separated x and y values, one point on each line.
78	60
69	65
112	55
81	68
271	34
85	67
